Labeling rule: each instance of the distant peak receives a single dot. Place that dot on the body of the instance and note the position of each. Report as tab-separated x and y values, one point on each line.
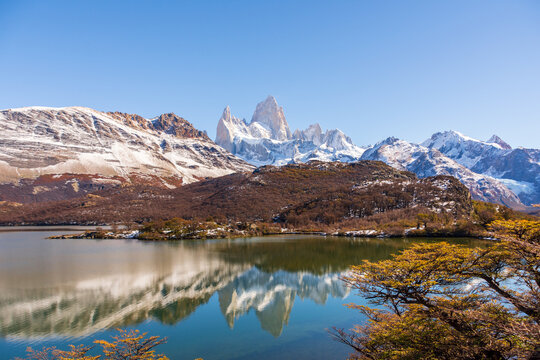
226	112
449	133
336	130
270	100
315	126
268	112
456	135
270	103
453	135
497	140
389	140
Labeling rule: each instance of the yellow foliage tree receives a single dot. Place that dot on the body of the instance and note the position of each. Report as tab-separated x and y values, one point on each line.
522	229
127	345
132	345
445	301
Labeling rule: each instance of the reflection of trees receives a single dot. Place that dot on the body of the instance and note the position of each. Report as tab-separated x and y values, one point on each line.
172	313
318	255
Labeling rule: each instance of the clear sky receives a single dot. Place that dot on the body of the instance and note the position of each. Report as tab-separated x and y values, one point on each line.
371	68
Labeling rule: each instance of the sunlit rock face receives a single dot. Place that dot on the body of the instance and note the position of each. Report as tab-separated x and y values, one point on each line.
268	122
269	114
267	139
313	133
225	130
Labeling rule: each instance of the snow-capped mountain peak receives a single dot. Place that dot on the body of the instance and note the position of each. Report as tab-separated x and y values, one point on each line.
229	127
269	113
312	133
497	140
337	140
465	150
518	169
424	161
454	138
267	139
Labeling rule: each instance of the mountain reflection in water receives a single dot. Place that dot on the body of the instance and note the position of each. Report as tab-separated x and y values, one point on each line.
76	288
272	295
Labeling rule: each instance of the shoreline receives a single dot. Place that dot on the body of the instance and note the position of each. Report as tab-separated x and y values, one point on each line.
122	236
228	231
71	227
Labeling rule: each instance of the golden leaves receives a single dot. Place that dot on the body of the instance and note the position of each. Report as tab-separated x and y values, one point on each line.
127	345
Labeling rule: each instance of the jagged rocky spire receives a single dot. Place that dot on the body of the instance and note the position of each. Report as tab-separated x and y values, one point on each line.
271	114
267	139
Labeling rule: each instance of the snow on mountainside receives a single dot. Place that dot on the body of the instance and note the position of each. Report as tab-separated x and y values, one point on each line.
426	162
491	169
518	169
463	149
494	139
58	153
269	113
267	139
42	142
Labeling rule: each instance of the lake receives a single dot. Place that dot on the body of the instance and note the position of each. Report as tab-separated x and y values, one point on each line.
264	298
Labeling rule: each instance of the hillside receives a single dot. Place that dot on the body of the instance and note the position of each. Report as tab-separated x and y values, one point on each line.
297	194
58	153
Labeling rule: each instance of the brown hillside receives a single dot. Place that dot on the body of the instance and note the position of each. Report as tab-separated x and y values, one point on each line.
314	192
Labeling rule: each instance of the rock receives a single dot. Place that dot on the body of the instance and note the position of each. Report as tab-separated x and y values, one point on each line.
267	139
44	144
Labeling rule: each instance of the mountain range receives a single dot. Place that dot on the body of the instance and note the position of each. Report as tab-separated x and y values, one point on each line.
55	153
267	139
49	154
492	170
518	169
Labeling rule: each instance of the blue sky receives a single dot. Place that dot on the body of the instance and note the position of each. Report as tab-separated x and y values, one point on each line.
371	68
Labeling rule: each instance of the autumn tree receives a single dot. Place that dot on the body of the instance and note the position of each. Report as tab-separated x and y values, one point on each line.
425	218
132	345
445	301
74	352
127	345
529	229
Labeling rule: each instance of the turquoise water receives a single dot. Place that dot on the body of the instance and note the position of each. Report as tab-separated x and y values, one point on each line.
263	298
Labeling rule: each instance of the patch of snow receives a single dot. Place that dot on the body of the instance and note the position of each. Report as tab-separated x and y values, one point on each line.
79	140
518	187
